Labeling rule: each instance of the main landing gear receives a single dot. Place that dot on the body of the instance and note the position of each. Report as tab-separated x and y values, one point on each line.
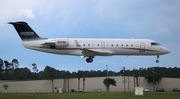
89	60
157	61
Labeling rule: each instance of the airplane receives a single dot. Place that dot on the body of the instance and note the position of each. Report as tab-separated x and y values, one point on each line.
88	47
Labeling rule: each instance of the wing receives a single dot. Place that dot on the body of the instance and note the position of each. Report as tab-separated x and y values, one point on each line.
95	52
92	52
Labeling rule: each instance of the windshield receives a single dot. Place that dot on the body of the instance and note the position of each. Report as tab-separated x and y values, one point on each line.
154	43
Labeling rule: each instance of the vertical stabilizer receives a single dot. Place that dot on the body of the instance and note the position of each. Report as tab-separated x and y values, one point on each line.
25	31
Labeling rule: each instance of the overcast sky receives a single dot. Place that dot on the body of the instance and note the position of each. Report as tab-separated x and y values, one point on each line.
158	20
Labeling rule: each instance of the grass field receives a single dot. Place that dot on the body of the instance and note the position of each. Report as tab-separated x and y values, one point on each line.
111	95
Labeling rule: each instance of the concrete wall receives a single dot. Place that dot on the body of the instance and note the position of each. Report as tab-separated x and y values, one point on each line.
91	84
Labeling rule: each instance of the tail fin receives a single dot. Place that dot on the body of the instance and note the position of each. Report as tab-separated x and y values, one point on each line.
24	30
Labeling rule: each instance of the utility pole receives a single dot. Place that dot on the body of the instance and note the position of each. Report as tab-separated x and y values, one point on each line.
124	80
128	81
139	76
107	70
153	79
133	76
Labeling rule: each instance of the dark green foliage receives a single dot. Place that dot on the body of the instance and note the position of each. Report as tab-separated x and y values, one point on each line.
1	67
34	67
79	74
136	75
14	63
51	77
11	71
153	79
65	76
109	81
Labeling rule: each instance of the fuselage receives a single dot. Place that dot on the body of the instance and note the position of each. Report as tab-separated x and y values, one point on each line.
74	46
87	47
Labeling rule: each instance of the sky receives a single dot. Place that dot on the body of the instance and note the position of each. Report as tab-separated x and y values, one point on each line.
158	20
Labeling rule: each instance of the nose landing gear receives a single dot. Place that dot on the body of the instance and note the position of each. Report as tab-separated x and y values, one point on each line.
157	61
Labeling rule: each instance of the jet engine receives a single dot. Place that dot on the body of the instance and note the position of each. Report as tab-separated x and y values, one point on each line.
62	42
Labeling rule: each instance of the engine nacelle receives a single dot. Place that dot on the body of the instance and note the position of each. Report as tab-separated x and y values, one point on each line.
63	42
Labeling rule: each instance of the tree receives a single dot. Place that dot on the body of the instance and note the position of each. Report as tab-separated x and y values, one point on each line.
154	79
51	76
1	67
25	72
84	81
136	75
35	69
11	73
68	75
79	75
64	77
7	64
14	63
109	81
47	71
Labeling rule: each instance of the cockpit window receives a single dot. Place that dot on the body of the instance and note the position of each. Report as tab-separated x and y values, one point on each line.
154	43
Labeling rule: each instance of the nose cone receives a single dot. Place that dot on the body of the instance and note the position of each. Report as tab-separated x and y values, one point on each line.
166	51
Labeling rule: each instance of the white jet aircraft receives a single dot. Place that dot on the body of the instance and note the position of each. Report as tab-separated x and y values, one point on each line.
87	47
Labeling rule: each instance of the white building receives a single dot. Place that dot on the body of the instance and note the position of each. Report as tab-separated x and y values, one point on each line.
91	84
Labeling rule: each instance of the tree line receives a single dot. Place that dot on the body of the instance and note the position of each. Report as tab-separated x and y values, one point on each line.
12	71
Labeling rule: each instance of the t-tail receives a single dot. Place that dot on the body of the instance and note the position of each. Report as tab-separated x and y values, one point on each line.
25	31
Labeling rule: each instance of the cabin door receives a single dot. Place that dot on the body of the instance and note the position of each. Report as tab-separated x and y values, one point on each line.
142	47
102	44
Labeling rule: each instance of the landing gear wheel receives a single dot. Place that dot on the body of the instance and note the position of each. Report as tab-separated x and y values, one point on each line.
89	60
157	61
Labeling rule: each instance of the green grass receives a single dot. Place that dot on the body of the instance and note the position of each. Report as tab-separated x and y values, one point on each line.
111	95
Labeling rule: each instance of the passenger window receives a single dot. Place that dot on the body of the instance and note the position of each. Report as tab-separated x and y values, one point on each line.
97	44
83	44
131	45
126	44
111	44
121	44
116	44
88	44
